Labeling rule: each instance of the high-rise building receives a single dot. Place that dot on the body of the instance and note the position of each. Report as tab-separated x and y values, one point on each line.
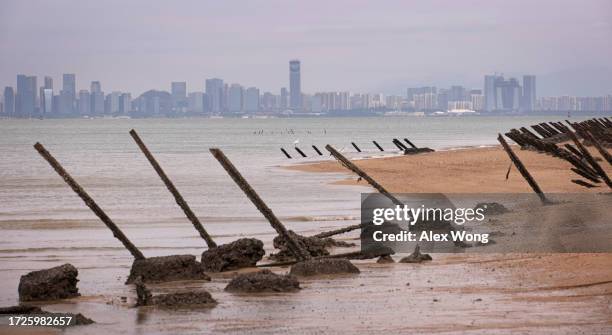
68	94
125	103
489	92
46	102
284	99
179	95
215	92
112	103
502	94
457	93
507	94
251	100
295	87
84	103
196	102
25	104
9	101
477	101
529	93
97	99
268	102
48	82
235	100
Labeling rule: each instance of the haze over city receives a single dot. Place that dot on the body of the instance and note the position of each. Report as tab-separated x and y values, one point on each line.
358	46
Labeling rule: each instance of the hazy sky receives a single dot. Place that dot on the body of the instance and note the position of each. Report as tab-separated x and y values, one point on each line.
343	45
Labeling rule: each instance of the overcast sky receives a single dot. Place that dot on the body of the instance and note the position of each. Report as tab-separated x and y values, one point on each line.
343	45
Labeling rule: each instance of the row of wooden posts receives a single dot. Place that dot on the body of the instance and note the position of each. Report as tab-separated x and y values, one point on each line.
596	132
295	248
412	149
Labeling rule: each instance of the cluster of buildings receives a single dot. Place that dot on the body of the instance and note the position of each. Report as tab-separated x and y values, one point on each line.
499	95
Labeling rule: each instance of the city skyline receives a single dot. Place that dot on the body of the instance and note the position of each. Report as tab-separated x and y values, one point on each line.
498	94
358	46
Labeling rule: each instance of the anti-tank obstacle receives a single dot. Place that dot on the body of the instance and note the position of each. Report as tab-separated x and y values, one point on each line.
154	269
244	252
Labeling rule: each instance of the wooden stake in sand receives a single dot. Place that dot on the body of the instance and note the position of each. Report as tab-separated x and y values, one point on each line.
349	165
177	196
522	169
88	201
300	253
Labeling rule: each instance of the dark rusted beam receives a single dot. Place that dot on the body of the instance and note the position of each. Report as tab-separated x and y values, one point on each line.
349	165
330	233
522	169
410	143
589	158
378	146
300	151
286	153
298	251
89	201
602	151
174	191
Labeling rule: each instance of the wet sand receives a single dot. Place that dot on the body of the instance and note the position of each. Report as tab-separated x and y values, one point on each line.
557	281
474	294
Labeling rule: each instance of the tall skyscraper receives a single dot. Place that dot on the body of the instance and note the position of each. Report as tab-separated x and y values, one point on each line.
9	101
46	102
251	100
507	94
179	95
68	94
295	87
48	82
235	100
489	92
26	96
529	93
215	92
97	99
84	103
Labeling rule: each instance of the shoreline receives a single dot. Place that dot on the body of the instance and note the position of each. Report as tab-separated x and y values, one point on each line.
462	170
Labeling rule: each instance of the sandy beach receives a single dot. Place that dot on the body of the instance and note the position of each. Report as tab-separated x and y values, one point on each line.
469	170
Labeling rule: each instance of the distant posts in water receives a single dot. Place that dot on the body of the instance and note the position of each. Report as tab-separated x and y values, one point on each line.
300	152
378	146
286	153
317	150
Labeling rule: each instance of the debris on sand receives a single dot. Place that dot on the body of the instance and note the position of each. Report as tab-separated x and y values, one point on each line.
316	246
59	282
385	259
323	266
242	253
145	298
78	319
167	268
416	256
492	208
263	281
